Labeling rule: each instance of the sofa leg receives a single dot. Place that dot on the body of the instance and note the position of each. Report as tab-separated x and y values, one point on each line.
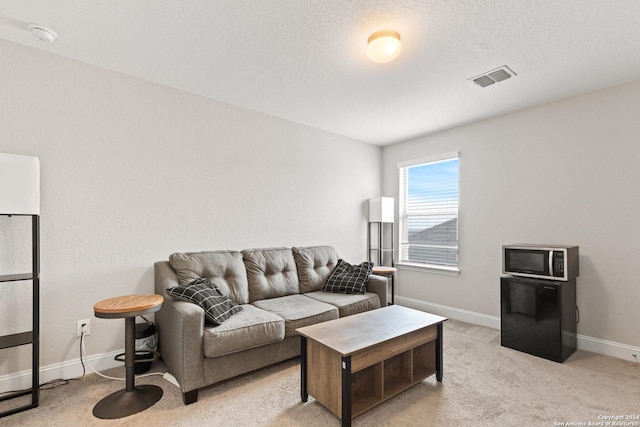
190	397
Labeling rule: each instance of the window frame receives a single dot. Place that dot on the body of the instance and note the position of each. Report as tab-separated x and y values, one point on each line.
402	216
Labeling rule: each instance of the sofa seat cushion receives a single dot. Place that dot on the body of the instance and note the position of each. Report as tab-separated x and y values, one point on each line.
348	304
250	328
298	311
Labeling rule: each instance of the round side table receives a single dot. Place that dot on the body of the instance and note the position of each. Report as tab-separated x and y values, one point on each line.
382	270
132	399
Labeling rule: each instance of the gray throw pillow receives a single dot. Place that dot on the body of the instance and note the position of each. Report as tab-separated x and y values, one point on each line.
347	278
217	307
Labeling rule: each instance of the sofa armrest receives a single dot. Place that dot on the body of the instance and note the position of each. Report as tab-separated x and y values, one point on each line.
378	285
181	328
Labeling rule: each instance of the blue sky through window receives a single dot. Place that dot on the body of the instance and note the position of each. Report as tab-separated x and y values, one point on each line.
432	182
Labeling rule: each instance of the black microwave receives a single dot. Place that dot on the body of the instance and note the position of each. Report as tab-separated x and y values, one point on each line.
552	262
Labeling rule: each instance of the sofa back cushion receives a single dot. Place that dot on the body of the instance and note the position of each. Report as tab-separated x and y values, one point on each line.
270	272
314	264
225	269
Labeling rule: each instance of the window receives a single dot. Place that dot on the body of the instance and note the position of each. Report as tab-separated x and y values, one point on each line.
429	212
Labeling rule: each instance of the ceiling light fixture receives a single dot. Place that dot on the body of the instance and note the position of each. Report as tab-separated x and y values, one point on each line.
383	46
43	33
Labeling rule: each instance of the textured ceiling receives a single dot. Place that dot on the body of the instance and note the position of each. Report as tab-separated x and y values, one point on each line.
304	60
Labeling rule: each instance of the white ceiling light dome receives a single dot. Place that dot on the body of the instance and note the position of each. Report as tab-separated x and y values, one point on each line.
43	33
384	46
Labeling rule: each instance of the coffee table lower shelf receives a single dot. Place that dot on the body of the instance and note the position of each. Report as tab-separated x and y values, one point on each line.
350	384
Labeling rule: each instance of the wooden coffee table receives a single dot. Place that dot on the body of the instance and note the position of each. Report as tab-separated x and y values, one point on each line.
354	363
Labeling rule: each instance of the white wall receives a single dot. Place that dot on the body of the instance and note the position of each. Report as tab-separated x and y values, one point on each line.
566	172
132	171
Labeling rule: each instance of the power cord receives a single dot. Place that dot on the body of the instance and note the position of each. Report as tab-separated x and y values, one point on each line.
107	376
166	375
84	370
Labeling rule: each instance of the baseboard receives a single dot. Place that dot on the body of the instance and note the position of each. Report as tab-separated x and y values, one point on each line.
64	370
450	312
595	345
608	348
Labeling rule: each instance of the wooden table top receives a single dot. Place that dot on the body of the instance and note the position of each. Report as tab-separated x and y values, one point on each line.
123	305
350	334
383	270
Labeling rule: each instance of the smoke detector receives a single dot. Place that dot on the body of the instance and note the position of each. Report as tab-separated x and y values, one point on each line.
43	33
494	76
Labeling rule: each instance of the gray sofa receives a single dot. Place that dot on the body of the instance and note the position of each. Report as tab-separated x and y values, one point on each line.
279	291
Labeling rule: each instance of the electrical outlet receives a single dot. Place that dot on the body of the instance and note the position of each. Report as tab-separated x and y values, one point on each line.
86	328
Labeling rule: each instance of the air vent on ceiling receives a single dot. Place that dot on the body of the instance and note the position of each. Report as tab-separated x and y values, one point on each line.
494	76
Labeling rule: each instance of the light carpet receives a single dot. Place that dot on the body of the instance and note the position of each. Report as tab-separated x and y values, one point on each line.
484	384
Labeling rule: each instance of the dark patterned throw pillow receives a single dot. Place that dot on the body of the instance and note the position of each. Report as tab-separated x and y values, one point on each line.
348	279
217	307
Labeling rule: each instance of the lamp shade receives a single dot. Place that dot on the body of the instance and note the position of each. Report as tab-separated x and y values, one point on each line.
381	209
19	185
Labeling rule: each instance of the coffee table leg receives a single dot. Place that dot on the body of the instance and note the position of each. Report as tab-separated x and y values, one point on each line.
346	391
303	369
439	354
393	290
